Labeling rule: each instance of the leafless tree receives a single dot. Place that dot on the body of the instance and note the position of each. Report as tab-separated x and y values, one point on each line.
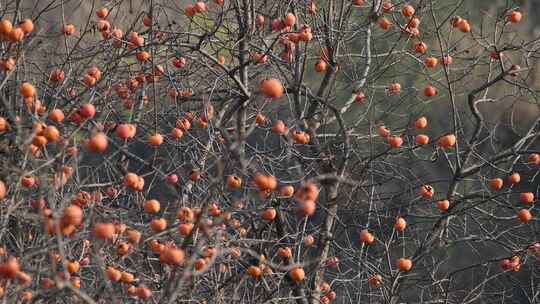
249	151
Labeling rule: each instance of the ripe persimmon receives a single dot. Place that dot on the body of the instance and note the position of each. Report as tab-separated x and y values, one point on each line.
10	268
526	197
272	88
366	237
514	17
400	224
332	261
24	278
495	183
447	141
221	59
200	7
394	88
5	27
331	295
276	25
16	35
286	191
173	256
289	19
385	23
98	142
464	26
185	214
265	182
447	60
87	111
430	91
383	131
413	23
68	30
200	264
404	264
89	80
214	210
176	133
260	119
279	127
3	124
27	296
259	20
375	280
183	124
427	191
155	139
147	20
179	62
57	75
284	252
300	137
360	96
73	215
259	57
308	191
234	181
514	178
126	131
3	190
143	56
94	72
133	236
320	66
324	287
72	266
269	214
39	141
421	122
123	248
56	115
113	274
254	271
158	224
28	181
297	274
102	12
26	25
443	204
127	277
431	62
420	47
407	10
306	208
136	40
151	206
395	141
534	159
524	215
143	292
131	180
185	228
421	139
27	90
103	231
51	133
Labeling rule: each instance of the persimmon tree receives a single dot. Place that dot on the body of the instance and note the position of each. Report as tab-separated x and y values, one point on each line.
242	151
